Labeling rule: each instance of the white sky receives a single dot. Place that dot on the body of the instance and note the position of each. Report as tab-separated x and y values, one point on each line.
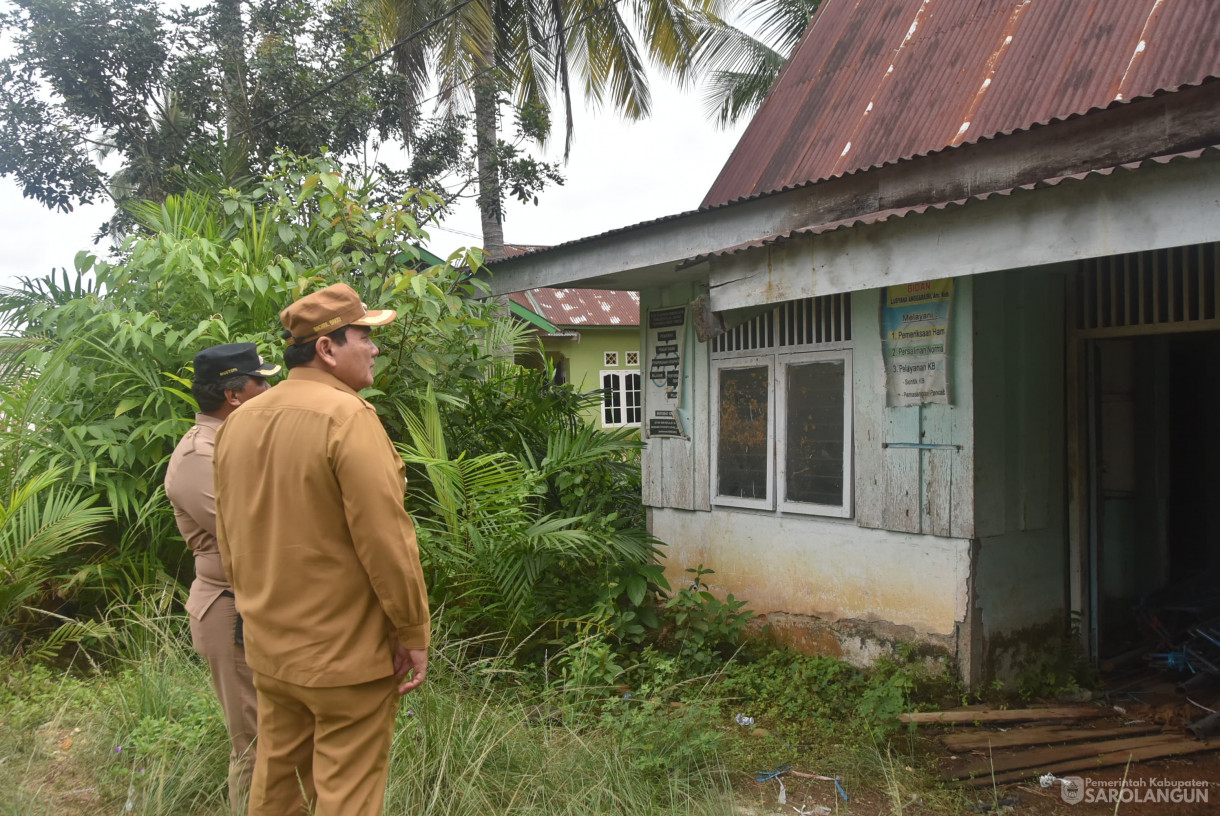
619	173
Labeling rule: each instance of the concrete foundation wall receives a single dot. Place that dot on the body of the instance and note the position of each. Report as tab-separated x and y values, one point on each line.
873	586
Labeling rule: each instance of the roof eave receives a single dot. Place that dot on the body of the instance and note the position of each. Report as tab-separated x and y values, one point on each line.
650	254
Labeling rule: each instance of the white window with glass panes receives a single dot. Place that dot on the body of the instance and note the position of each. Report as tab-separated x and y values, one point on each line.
781	410
621	406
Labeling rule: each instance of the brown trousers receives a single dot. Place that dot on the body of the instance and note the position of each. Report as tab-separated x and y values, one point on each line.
213	637
325	748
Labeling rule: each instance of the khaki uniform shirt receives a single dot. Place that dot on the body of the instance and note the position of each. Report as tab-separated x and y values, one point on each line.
314	536
188	485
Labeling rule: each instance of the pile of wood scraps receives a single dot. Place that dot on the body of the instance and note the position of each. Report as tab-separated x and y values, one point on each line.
1003	746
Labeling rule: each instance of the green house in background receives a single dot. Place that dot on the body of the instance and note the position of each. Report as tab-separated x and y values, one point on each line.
592	338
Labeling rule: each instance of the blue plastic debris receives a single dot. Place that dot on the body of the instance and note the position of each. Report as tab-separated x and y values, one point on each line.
764	776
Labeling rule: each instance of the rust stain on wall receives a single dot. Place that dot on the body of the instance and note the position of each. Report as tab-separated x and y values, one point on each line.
854	641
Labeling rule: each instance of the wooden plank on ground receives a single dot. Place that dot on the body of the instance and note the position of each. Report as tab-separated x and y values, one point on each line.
1011	761
1181	747
982	715
1038	735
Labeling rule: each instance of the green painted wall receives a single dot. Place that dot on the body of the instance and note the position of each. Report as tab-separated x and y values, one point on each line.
584	358
1020	464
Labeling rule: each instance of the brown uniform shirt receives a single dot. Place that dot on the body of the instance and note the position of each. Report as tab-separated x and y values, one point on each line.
314	536
188	485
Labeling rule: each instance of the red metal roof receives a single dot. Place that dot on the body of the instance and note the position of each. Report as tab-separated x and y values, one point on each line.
513	250
576	307
582	307
876	81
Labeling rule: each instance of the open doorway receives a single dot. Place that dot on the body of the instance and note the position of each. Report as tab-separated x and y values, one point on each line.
1153	442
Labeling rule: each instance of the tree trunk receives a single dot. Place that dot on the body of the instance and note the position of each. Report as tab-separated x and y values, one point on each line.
233	64
486	139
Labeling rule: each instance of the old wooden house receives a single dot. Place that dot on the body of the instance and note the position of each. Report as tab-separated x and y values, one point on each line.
937	357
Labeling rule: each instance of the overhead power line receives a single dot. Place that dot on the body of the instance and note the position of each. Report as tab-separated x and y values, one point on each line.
457	231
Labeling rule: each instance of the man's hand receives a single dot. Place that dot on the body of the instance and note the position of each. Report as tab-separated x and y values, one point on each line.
412	661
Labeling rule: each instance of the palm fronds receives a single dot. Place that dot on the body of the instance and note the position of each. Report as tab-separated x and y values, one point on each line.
742	67
41	521
504	551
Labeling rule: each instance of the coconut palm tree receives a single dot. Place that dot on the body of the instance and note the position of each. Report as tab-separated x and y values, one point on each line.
742	67
534	51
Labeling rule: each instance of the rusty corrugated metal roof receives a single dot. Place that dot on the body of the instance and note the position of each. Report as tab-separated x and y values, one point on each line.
876	81
582	307
513	250
576	307
535	250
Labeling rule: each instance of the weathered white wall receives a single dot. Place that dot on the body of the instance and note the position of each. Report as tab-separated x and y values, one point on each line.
676	471
826	568
836	570
914	490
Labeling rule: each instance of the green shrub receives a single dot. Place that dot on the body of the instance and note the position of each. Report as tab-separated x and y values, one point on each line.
43	530
702	628
96	367
526	515
787	686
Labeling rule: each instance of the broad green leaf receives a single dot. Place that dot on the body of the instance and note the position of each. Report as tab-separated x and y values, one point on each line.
637	588
126	405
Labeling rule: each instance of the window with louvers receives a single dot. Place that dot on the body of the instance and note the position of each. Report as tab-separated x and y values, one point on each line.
782	421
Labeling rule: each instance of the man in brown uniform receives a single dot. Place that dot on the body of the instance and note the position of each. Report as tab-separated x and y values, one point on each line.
225	377
322	557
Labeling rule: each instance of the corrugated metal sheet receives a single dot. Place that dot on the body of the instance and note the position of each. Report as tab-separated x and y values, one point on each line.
876	81
903	212
582	307
576	307
535	250
513	250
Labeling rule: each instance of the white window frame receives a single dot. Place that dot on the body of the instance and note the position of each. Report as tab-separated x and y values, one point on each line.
845	510
622	374
627	358
610	358
762	361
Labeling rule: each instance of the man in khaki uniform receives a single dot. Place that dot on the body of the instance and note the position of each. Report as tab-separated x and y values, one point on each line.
322	557
225	377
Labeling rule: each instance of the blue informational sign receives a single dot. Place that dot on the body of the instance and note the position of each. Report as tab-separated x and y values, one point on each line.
915	342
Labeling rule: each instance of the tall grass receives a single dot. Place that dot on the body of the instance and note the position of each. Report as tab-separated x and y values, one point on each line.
470	745
145	736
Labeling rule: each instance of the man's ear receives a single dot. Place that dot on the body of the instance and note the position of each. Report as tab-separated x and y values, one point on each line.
325	350
231	398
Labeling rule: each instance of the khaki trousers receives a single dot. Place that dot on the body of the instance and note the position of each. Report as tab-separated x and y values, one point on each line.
233	681
322	747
